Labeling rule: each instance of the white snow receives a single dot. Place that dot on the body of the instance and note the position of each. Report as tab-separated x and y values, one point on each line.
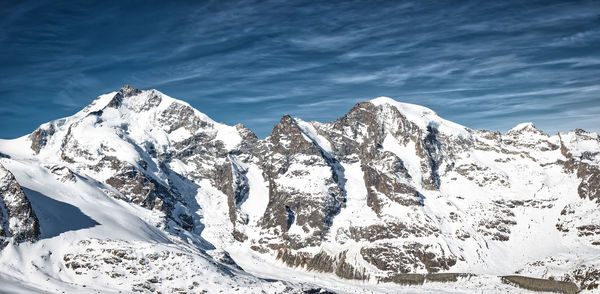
424	117
355	212
309	130
522	126
409	157
258	196
179	134
229	135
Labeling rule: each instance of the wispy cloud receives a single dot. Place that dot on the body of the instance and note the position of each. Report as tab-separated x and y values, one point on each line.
359	78
484	64
329	102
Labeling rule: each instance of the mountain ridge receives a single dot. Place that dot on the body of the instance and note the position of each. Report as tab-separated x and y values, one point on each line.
388	190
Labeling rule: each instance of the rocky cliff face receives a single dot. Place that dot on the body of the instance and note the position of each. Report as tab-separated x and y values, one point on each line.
388	189
18	221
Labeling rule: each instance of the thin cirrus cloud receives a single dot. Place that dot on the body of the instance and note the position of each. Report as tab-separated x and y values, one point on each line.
484	65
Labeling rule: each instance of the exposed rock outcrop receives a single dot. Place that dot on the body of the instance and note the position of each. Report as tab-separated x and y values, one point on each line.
18	221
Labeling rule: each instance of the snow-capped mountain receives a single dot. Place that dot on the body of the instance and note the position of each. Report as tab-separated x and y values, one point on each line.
140	192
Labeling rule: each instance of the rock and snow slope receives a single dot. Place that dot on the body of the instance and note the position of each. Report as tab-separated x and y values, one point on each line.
140	192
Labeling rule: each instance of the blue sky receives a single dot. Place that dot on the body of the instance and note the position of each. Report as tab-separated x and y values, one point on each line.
488	64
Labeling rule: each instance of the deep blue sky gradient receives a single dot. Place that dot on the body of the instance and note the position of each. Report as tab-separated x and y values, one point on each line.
488	64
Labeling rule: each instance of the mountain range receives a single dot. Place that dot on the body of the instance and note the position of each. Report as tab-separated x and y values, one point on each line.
140	192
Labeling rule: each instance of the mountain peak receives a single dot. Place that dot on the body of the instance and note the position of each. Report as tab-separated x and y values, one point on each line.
124	92
286	119
524	127
286	125
128	90
423	117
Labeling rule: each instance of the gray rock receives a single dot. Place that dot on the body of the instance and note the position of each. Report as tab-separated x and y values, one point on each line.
17	219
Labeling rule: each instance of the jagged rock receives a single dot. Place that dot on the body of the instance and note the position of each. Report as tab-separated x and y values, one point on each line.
65	174
285	154
589	188
17	219
541	284
324	263
409	258
39	137
142	190
124	92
